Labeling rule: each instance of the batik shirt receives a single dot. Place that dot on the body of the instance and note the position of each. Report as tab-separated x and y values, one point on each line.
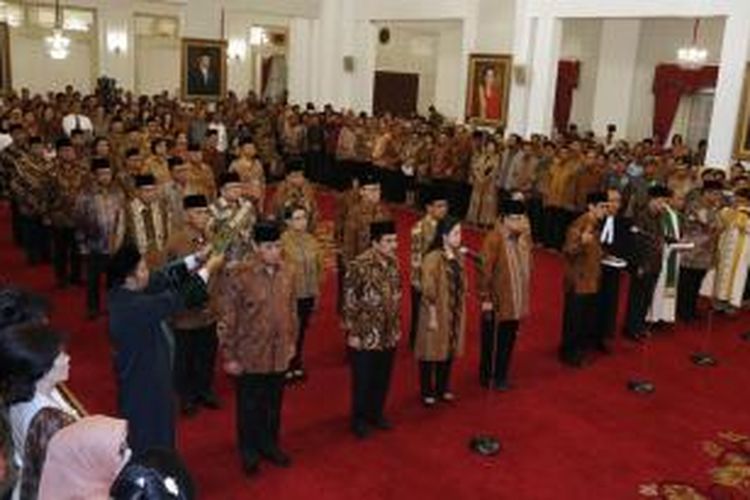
372	302
67	182
100	216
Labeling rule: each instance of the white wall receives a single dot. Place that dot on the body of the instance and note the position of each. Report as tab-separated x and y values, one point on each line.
581	41
448	97
32	68
410	51
495	26
659	41
157	65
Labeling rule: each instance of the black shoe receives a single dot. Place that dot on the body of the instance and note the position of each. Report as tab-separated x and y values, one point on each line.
210	401
634	337
382	424
251	466
360	430
92	315
603	348
277	458
189	409
503	386
576	361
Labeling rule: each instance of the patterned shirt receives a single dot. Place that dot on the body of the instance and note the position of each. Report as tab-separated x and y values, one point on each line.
67	182
372	302
100	219
422	235
224	213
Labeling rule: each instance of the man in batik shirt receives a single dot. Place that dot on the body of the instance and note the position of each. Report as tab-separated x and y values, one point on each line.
67	180
100	220
372	311
231	212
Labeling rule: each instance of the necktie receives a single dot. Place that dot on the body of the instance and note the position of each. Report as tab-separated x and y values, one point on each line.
148	224
78	122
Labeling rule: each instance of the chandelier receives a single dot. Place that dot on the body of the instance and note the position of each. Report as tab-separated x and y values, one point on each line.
692	56
58	45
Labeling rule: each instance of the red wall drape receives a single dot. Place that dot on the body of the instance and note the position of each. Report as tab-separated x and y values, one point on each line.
671	82
568	73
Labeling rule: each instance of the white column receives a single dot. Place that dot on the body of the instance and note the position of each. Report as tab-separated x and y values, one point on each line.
523	46
544	75
362	80
734	51
116	29
330	59
618	51
469	32
313	56
299	61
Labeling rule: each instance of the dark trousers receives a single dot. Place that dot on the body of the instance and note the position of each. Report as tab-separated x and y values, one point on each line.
688	291
35	239
371	379
259	401
607	305
96	268
536	217
195	359
498	340
15	223
640	295
314	165
434	377
558	219
577	332
66	259
304	311
416	299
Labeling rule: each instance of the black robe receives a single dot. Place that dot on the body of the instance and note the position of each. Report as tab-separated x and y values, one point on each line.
143	352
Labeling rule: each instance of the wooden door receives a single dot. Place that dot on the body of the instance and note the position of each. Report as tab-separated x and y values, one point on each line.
395	93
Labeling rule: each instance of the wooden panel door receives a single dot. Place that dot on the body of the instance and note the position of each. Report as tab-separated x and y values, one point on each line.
395	93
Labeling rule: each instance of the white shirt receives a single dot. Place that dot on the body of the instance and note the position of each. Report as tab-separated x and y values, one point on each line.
74	121
5	141
21	415
222	130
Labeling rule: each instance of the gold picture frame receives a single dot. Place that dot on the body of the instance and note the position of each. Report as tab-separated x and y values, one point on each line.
6	83
487	100
742	142
204	69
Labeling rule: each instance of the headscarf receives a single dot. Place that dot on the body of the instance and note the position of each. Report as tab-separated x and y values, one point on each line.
84	459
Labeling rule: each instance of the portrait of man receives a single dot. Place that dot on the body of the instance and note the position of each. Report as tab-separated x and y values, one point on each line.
203	69
488	89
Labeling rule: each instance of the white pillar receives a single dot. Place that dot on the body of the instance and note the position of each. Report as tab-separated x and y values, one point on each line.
523	38
330	59
544	75
618	51
116	29
299	61
734	51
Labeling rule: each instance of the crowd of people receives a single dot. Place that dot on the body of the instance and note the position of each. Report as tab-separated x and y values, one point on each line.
203	217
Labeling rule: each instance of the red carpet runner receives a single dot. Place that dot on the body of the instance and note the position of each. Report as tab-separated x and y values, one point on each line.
566	433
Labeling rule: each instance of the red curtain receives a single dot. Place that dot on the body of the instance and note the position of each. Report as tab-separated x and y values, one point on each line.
671	82
568	73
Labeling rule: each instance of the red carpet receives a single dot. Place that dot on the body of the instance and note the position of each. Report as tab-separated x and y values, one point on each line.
566	433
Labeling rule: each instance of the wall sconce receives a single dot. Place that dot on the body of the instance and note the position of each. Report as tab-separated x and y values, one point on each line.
237	49
258	36
117	42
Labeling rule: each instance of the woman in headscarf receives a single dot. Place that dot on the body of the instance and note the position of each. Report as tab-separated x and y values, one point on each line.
84	459
442	314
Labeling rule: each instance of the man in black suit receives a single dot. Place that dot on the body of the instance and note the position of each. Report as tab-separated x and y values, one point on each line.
616	241
203	79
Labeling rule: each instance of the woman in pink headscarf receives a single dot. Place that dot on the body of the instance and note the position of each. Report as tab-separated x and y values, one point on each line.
84	459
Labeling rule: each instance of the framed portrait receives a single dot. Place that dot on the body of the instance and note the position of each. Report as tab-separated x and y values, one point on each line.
488	89
5	80
204	69
742	149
